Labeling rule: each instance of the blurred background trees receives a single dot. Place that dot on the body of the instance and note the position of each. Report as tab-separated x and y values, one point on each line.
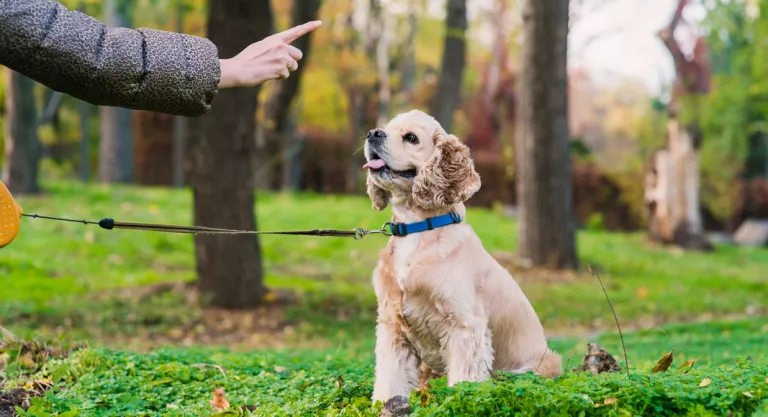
490	71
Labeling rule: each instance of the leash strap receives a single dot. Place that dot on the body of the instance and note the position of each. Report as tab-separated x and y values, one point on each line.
110	224
389	229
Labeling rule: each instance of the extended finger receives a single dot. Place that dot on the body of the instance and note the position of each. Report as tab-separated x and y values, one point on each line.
296	32
294	52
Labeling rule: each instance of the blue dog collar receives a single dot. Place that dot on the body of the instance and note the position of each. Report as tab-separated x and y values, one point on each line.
404	229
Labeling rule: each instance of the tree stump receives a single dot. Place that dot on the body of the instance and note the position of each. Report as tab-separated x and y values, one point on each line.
672	192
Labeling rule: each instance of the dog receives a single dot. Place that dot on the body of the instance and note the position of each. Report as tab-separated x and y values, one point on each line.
445	306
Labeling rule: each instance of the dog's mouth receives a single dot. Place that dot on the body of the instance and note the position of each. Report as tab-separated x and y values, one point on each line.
378	165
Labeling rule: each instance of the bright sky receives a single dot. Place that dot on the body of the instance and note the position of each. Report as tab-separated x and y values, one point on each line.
629	46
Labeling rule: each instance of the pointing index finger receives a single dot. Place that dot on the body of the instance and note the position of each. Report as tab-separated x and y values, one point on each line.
296	32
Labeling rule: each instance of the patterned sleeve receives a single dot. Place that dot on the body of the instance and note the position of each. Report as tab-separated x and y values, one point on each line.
76	54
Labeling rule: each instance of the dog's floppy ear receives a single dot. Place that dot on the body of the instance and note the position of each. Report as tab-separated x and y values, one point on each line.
379	196
448	177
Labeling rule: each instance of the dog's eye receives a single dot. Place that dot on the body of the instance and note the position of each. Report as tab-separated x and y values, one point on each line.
410	138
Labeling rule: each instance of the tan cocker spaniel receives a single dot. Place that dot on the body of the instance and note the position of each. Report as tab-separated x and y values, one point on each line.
445	306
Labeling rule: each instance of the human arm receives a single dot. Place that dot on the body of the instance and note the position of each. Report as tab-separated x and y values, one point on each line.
76	54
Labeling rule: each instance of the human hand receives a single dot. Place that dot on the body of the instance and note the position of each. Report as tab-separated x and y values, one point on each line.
268	59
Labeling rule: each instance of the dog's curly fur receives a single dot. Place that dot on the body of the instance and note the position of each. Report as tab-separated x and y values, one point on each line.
445	306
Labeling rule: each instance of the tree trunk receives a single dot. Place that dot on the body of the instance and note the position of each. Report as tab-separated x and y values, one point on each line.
22	149
278	130
672	178
544	190
229	267
409	68
672	192
379	20
153	148
357	105
180	125
446	98
115	142
85	142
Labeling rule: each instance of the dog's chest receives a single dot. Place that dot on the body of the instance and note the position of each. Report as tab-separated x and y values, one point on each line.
402	258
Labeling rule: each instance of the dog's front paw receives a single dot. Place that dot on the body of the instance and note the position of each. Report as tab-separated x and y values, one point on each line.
395	407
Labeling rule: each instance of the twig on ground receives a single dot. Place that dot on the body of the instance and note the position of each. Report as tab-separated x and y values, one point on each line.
546	350
7	334
621	336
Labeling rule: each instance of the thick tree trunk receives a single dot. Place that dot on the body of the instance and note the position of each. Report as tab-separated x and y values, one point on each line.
229	267
279	131
446	98
22	149
546	220
180	125
115	141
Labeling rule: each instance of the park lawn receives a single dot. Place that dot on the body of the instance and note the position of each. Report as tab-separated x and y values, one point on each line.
54	275
730	374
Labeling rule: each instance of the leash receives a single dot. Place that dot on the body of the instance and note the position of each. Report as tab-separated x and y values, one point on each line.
388	229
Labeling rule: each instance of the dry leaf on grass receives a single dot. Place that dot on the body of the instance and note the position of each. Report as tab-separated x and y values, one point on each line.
664	363
688	364
609	401
219	401
747	394
705	382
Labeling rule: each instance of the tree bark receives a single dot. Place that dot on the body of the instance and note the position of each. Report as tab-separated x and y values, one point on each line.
380	20
153	148
279	129
222	155
22	149
672	177
546	226
85	142
446	98
116	136
180	125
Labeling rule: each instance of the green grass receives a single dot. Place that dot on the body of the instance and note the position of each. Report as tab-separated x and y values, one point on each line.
172	381
52	267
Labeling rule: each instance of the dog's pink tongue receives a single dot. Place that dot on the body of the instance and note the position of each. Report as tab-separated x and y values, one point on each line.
374	164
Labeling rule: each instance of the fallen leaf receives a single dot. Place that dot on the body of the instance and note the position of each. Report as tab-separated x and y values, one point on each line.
642	292
4	358
705	382
688	364
609	401
664	363
747	394
219	401
339	381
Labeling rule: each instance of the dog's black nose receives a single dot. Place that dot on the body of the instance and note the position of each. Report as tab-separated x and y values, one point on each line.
376	135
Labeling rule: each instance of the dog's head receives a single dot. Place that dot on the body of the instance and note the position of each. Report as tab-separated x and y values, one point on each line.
413	154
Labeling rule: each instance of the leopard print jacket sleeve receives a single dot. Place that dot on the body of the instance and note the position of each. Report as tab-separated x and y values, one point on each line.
76	54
